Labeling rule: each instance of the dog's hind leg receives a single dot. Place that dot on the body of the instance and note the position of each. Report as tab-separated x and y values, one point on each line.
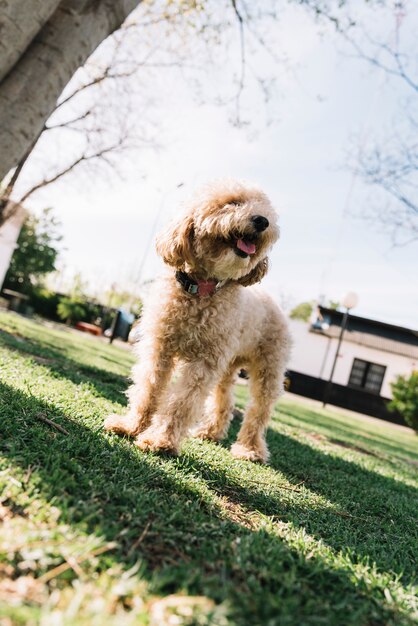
251	444
219	409
266	376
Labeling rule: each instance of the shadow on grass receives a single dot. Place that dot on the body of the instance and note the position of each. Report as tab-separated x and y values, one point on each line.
353	431
104	485
107	384
376	515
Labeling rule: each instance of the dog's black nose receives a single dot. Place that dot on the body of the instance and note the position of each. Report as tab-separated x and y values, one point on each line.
260	222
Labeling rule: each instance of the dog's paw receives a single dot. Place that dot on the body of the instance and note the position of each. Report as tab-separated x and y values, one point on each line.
122	424
149	441
256	455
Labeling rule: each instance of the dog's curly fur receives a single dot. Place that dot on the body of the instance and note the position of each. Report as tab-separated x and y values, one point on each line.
209	338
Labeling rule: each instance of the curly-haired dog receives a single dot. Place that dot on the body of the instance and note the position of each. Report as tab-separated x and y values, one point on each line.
206	319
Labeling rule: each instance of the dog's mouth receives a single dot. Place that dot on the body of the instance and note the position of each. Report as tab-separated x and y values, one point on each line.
244	245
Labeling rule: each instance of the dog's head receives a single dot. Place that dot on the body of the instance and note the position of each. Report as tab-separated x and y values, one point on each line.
225	234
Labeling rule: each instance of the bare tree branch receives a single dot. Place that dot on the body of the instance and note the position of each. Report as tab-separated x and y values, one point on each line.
68	123
106	75
241	81
8	208
390	165
101	105
397	69
99	154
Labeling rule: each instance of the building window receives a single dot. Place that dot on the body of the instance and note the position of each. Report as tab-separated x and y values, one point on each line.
367	376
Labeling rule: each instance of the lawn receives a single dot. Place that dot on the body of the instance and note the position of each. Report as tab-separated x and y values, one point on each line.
95	532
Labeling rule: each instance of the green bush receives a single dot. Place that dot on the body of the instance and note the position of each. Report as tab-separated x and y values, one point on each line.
72	310
45	302
405	398
302	311
36	253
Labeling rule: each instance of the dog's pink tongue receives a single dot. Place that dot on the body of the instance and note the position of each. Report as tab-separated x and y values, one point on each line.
248	248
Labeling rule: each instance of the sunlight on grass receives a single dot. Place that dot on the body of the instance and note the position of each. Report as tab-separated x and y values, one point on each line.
94	531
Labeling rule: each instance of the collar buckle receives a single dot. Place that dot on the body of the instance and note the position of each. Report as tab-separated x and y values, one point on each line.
192	288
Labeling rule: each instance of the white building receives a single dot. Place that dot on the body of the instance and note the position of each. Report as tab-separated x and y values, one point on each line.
372	355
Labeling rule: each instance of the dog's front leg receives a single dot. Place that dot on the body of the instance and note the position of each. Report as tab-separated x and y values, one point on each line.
171	425
150	376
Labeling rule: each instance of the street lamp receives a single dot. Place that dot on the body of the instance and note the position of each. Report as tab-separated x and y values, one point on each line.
349	301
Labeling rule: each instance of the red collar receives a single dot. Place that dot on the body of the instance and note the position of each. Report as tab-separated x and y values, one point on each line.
197	287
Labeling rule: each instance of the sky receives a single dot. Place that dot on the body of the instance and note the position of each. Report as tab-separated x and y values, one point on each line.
328	102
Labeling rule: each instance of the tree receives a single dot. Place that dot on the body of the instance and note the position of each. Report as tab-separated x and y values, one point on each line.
92	124
302	311
42	45
405	398
75	306
389	164
71	309
117	299
334	304
36	252
46	42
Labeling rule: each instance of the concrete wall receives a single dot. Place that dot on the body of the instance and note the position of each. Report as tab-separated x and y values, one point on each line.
9	232
313	354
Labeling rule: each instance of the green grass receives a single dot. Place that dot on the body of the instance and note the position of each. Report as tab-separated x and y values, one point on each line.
95	532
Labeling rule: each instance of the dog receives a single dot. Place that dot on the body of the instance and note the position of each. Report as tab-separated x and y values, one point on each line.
207	320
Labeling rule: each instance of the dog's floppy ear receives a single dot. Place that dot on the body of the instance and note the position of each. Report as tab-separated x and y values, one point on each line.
175	244
256	274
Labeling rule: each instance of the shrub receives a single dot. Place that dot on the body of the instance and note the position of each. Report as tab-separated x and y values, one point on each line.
72	310
36	252
405	398
302	311
45	302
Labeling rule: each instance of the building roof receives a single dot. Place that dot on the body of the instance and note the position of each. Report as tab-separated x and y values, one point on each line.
366	332
373	341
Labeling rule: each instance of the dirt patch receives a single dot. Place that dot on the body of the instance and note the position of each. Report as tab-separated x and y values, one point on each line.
238	514
356	448
43	360
9	509
179	609
22	589
343	444
350	446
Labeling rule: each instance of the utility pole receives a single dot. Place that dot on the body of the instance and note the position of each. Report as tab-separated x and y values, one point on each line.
349	302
